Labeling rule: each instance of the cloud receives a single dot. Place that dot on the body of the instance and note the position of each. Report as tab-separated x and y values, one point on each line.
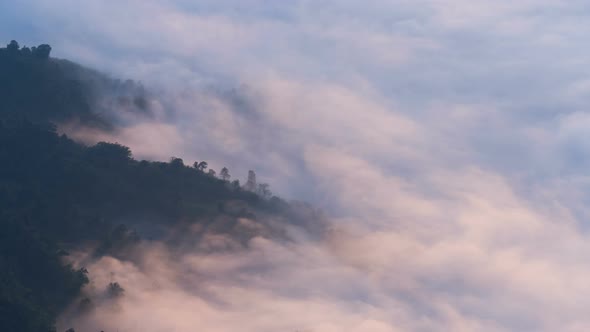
490	262
445	138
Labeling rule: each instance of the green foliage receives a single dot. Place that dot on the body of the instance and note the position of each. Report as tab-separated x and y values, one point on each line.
57	194
40	88
55	191
34	283
201	166
42	51
224	174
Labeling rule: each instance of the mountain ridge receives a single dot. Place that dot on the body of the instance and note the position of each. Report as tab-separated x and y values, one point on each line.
57	194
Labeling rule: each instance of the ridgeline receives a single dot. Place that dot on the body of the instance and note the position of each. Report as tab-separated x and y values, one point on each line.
57	195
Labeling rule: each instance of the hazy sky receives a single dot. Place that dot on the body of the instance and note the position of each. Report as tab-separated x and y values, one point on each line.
448	139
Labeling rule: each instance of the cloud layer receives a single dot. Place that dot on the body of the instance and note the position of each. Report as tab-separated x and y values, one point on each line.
447	139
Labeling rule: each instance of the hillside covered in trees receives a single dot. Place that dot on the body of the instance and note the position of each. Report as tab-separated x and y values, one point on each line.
57	195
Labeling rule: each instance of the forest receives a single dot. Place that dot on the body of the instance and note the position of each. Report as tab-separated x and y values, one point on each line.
58	195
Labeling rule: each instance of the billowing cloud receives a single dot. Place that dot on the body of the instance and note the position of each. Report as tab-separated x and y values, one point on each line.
446	139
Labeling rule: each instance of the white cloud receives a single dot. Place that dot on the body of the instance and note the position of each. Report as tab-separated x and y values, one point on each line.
447	138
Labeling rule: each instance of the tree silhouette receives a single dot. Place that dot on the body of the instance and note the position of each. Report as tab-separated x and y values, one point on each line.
12	47
115	290
201	166
25	51
224	174
42	51
264	191
176	162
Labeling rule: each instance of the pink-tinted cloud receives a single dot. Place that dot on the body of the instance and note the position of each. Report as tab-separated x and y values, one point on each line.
446	139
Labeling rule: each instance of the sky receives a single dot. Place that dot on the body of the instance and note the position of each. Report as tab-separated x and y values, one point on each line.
447	140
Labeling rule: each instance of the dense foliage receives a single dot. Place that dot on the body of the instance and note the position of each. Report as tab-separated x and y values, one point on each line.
57	194
41	88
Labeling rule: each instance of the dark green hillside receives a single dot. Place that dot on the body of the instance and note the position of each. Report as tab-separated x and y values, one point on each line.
41	88
58	195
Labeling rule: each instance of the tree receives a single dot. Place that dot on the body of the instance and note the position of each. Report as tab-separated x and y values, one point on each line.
12	47
251	182
115	290
235	184
25	51
42	51
211	173
176	162
201	166
109	153
264	191
224	174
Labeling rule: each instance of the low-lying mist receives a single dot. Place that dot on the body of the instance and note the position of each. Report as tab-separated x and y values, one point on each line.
213	282
446	141
421	235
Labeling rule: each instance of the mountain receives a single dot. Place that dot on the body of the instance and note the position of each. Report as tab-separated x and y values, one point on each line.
58	195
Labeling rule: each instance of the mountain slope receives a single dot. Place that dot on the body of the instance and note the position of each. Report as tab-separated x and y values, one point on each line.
57	194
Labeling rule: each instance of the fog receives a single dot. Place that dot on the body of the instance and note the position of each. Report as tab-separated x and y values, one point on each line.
445	140
469	272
